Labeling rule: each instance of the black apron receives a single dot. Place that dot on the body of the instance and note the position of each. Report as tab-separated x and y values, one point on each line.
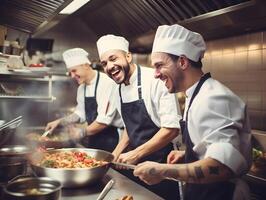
140	129
107	139
214	191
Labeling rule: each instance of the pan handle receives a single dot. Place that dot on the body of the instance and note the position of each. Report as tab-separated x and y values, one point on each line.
128	166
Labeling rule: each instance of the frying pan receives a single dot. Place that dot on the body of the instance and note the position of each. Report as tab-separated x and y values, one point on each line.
77	177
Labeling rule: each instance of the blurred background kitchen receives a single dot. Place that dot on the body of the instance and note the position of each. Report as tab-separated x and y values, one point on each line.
34	33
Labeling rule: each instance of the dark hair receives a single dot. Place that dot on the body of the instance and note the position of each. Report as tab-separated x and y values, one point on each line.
197	64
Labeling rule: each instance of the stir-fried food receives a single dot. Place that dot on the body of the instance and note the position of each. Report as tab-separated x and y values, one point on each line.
68	159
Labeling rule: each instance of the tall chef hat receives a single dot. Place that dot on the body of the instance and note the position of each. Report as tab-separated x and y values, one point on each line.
111	42
178	40
76	56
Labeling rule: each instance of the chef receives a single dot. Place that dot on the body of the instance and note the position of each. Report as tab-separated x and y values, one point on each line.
94	104
215	124
149	112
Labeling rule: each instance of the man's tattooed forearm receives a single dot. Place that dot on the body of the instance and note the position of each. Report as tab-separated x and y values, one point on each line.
152	171
214	170
199	173
171	173
190	176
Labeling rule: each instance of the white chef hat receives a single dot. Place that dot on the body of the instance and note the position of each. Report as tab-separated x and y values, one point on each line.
178	40
76	56
111	42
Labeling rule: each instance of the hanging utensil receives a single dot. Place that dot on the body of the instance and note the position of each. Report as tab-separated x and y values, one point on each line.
12	124
106	189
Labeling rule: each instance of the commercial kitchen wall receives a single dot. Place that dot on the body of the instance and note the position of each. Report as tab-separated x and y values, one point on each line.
240	63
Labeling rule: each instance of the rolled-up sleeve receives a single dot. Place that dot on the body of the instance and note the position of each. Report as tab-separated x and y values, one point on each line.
227	154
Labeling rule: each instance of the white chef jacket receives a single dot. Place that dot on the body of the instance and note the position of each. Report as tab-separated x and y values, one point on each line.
219	126
162	107
107	114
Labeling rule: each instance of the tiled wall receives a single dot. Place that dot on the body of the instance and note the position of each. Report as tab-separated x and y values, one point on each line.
240	63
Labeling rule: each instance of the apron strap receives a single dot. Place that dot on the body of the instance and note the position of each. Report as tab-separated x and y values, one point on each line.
138	86
139	83
96	85
197	89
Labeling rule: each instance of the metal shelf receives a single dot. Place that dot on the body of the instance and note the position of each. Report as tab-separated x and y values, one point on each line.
6	72
47	78
34	98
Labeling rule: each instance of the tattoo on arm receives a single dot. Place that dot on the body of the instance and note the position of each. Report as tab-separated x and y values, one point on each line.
199	173
171	173
73	118
190	176
214	170
152	171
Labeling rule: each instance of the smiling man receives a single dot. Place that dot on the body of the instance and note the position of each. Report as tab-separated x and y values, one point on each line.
215	125
149	112
94	104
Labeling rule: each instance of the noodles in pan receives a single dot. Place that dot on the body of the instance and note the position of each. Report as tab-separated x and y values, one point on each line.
75	159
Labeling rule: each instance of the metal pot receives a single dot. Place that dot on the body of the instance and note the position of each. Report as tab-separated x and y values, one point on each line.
32	188
71	178
11	167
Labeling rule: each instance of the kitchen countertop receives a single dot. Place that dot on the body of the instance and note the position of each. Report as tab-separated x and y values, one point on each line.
123	186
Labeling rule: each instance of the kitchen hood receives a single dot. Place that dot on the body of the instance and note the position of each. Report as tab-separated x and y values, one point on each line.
138	20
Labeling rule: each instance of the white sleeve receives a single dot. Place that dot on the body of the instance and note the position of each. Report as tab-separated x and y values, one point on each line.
168	107
107	109
220	121
80	108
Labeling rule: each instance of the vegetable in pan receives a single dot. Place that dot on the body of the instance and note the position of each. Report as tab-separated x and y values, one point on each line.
75	159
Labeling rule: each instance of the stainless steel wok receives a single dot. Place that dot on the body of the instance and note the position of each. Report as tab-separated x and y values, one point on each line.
71	178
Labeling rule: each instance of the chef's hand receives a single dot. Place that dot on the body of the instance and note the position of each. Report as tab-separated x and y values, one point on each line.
52	125
116	155
175	156
130	157
149	172
75	133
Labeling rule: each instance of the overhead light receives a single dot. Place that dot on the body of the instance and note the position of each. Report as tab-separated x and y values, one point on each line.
73	6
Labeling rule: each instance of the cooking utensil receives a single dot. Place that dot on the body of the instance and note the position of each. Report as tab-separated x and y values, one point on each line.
106	189
71	178
32	188
11	167
45	133
128	166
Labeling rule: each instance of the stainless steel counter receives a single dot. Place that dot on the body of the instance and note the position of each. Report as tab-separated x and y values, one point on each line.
123	186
